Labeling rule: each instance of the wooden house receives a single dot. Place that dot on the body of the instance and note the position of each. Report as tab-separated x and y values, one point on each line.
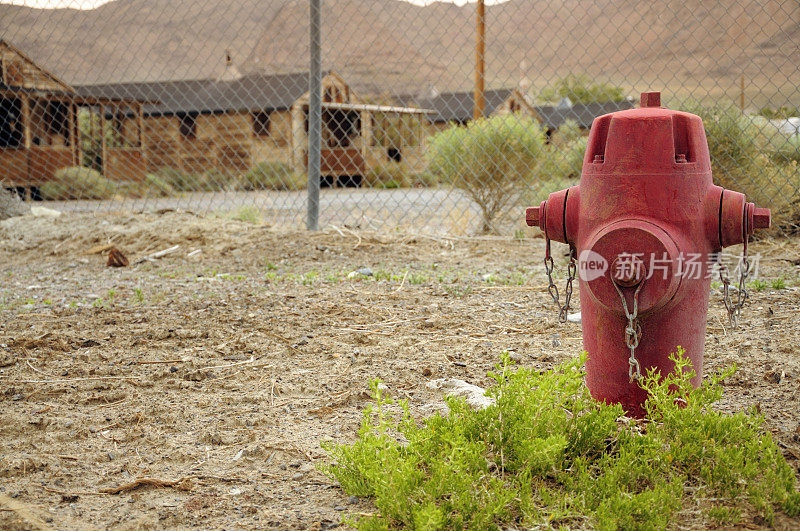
236	121
39	131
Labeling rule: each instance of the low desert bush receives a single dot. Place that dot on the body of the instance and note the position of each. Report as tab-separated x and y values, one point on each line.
154	186
546	454
397	175
269	175
78	183
207	181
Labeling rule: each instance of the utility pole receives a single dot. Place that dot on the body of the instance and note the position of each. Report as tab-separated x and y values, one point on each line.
314	117
741	93
480	49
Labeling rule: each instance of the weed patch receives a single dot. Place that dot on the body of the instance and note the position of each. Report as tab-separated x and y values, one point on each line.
547	454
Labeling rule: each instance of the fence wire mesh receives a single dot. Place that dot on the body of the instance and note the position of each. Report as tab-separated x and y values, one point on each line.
134	105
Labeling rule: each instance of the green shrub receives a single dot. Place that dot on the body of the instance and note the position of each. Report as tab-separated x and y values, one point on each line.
546	454
742	160
270	175
779	113
177	179
154	186
786	149
566	133
397	175
563	162
78	183
488	159
583	89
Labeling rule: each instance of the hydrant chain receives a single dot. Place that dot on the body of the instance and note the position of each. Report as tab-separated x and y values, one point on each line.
633	331
735	309
572	270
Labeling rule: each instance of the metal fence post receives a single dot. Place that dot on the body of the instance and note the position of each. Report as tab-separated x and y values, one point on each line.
314	118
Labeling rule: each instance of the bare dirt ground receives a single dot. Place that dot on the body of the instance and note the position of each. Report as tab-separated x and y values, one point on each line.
221	366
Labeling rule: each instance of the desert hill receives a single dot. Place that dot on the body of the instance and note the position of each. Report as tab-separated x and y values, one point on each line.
688	47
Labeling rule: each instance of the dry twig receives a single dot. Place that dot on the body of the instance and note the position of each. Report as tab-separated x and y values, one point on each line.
184	484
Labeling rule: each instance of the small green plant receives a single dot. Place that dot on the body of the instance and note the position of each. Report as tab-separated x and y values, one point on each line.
722	515
758	284
459	292
269	266
247	214
139	295
778	283
545	454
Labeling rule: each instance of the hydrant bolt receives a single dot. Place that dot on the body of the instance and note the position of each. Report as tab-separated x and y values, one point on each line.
532	216
761	218
627	271
650	99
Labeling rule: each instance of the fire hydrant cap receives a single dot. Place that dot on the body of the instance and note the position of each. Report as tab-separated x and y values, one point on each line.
647	140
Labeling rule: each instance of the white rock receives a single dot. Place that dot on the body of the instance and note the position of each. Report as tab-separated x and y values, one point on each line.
474	396
574	317
44	212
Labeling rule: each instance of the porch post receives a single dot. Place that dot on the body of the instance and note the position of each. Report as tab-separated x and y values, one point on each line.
103	143
366	133
73	138
26	121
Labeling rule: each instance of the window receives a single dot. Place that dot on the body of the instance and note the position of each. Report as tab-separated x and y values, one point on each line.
10	123
261	121
188	126
57	119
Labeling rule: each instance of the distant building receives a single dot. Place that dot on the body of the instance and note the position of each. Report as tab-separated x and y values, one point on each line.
456	108
236	121
554	116
39	126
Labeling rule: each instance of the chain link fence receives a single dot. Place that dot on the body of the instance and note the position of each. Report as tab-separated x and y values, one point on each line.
204	105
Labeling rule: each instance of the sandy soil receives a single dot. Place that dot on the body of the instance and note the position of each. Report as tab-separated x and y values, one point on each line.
221	366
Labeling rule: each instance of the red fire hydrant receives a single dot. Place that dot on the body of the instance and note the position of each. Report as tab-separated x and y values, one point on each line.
645	225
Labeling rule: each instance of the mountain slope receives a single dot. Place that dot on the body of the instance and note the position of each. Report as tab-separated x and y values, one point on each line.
692	46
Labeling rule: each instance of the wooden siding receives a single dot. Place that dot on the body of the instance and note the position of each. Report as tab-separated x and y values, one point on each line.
162	142
124	164
342	161
14	167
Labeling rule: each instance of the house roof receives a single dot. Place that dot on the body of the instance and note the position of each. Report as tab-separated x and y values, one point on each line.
64	85
457	106
248	93
584	114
